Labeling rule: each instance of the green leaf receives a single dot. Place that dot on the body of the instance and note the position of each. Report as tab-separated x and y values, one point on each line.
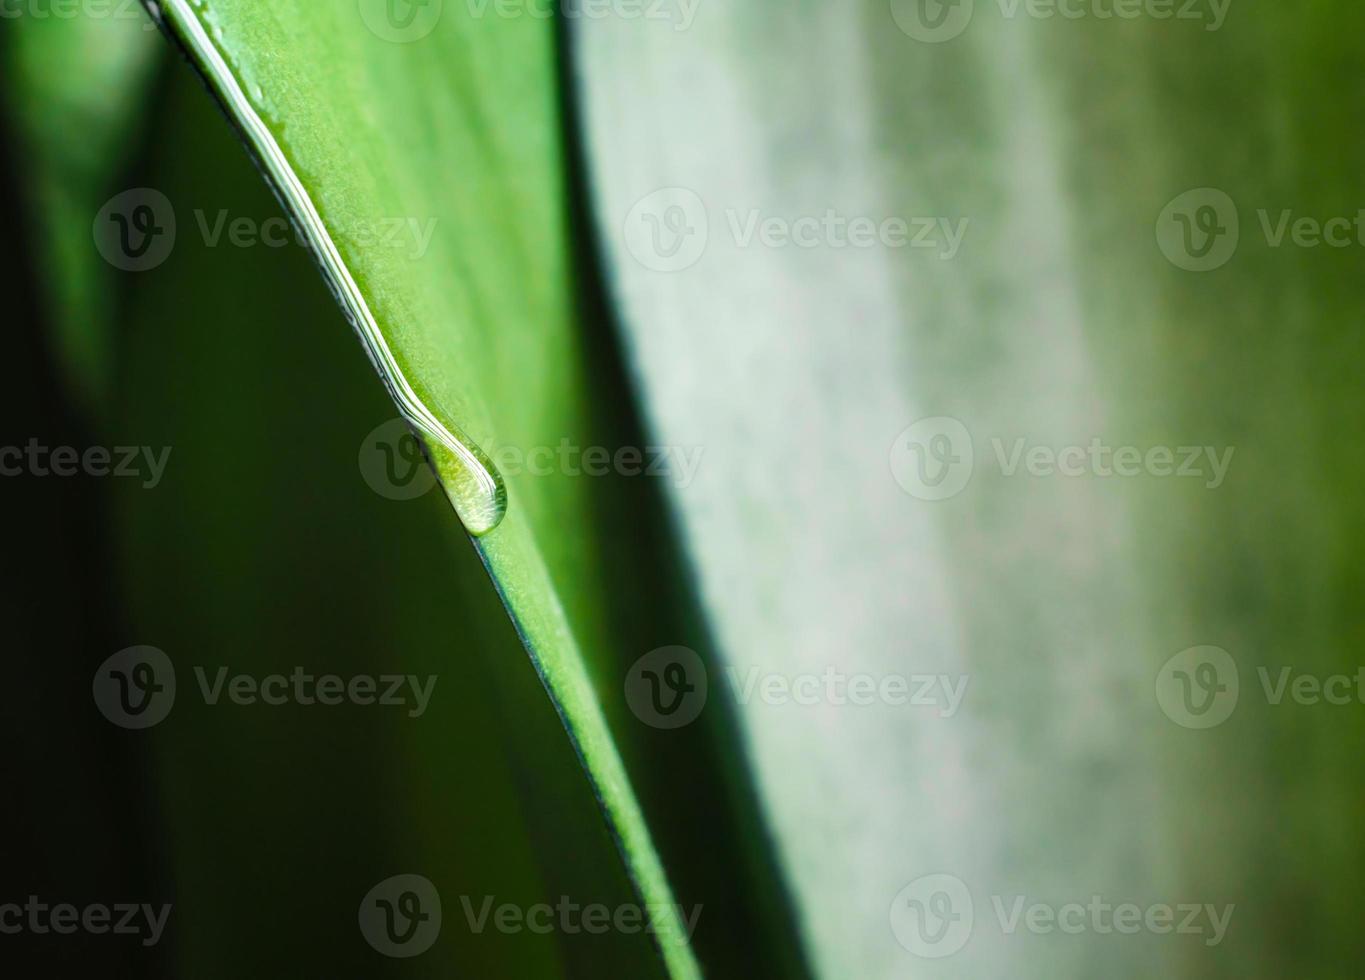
488	347
265	548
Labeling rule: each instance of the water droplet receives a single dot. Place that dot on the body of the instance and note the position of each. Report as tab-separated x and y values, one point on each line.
470	480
